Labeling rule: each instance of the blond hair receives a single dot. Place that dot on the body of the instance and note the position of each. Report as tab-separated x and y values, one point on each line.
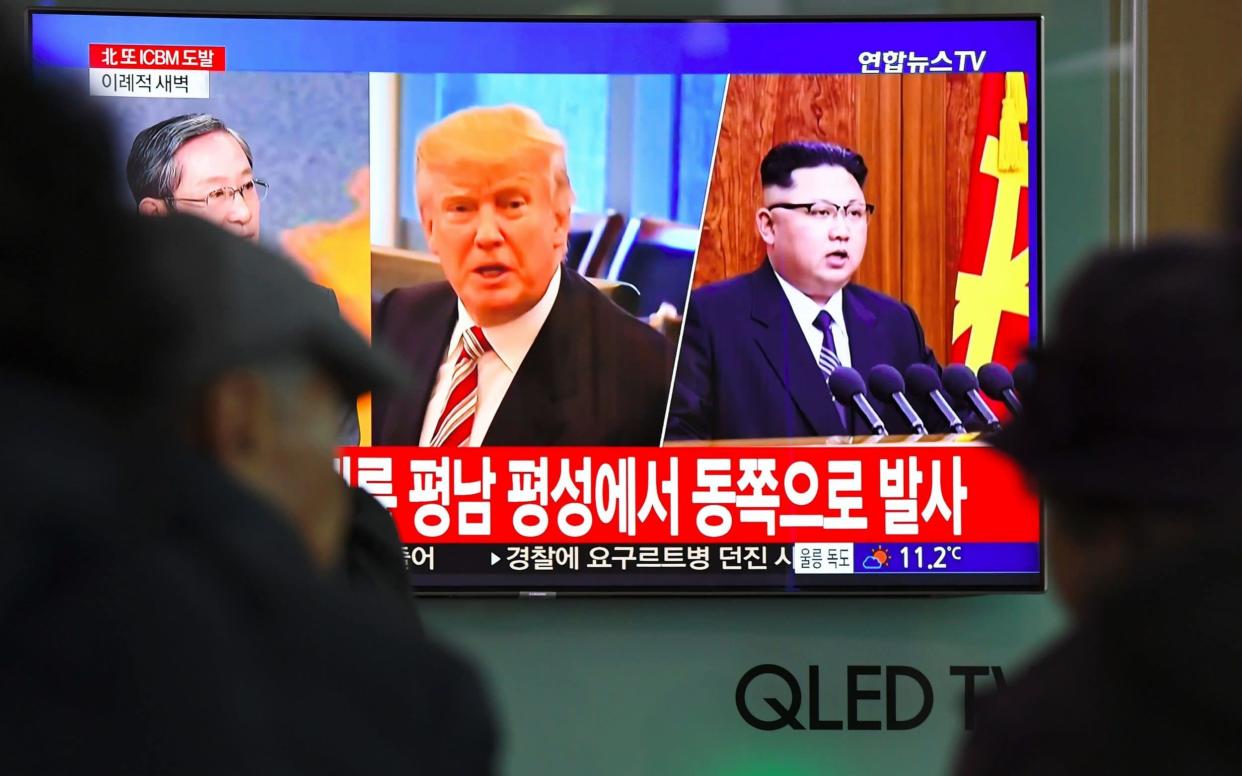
493	136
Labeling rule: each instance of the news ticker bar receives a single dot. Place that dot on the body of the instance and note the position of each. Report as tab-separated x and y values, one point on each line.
532	46
802	560
944	494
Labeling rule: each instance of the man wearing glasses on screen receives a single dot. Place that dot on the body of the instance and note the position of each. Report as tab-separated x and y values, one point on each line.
196	165
757	349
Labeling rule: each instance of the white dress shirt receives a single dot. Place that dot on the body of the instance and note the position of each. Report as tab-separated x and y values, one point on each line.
510	343
806	310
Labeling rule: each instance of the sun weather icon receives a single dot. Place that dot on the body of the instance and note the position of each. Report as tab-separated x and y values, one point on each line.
878	559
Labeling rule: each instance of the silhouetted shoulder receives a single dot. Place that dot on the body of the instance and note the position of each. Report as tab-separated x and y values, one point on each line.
624	366
732	293
874	299
404	302
615	329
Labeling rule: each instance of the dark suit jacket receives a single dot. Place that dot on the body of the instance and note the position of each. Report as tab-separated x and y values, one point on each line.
595	375
745	370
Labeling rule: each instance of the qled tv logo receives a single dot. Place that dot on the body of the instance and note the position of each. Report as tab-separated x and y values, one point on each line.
875	697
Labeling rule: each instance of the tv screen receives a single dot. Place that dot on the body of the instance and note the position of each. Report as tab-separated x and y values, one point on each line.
687	306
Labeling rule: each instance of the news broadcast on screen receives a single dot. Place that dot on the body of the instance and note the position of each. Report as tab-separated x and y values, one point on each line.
684	306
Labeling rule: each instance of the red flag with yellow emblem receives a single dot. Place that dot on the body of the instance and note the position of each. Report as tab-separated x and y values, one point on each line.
991	314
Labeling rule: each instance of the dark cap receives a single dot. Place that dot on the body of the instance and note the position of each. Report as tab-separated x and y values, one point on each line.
1135	398
244	305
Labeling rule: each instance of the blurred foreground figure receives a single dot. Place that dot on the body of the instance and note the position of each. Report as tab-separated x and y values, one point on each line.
1133	435
170	508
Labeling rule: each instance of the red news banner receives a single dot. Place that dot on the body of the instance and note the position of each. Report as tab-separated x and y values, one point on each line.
958	492
145	57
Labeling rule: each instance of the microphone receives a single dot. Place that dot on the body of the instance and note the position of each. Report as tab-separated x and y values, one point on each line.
924	381
997	384
847	386
1023	375
962	385
887	383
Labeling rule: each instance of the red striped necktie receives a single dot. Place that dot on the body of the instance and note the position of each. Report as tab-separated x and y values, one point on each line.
457	421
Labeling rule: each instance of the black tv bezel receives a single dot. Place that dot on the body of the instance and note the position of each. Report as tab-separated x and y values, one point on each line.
946	585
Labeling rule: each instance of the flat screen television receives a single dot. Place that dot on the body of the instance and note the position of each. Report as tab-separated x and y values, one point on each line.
688	306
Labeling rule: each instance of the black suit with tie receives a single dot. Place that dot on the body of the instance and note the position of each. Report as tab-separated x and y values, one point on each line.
746	371
594	375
